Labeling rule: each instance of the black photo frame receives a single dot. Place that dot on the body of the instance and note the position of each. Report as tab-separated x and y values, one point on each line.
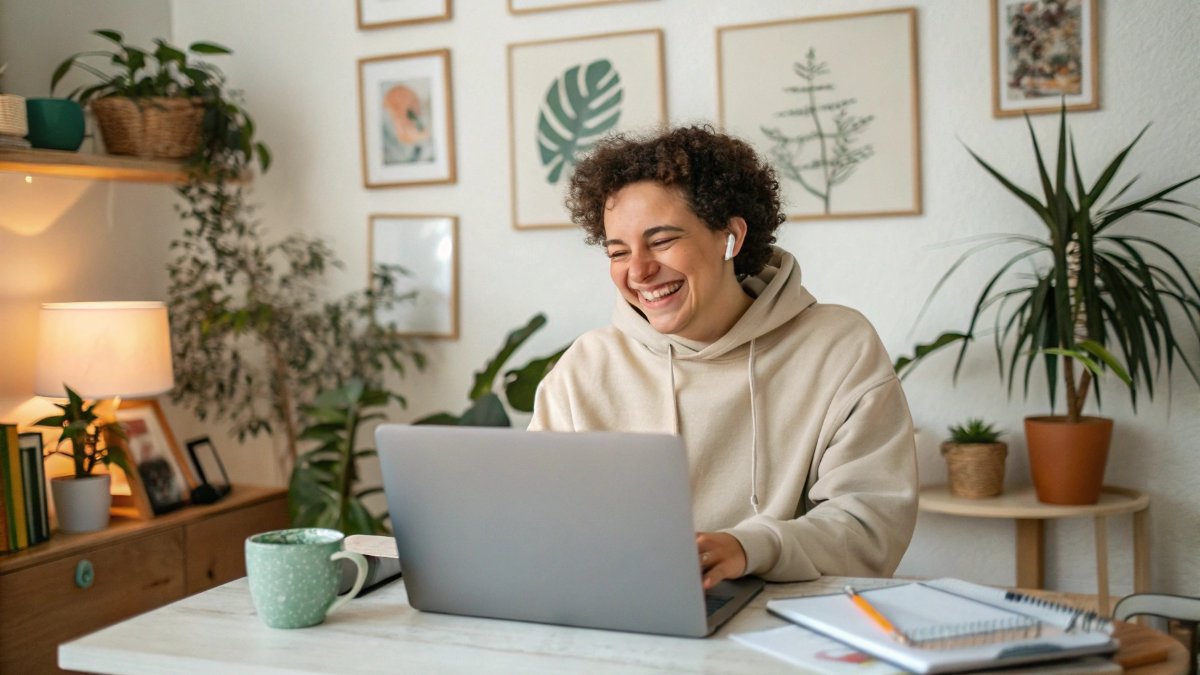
210	471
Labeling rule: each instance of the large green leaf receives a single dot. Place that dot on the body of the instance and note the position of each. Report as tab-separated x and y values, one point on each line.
487	411
486	378
579	108
521	385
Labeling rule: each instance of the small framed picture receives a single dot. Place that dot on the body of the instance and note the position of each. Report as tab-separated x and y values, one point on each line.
527	6
161	478
566	94
212	481
389	13
1044	54
407	119
425	250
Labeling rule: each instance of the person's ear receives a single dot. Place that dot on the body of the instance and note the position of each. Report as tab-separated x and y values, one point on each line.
737	237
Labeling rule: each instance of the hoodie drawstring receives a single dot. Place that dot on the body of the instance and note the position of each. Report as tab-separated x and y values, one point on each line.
753	433
674	399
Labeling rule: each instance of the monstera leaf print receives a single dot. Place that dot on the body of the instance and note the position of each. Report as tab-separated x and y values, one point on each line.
579	108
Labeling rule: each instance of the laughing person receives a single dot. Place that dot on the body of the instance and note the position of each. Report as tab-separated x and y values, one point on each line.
799	439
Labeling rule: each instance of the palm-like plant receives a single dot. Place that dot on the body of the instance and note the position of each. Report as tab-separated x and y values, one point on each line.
1097	297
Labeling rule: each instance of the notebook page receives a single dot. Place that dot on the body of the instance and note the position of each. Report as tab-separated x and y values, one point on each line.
1060	617
925	613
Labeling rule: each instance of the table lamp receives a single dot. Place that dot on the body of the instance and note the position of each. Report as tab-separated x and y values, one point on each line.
104	350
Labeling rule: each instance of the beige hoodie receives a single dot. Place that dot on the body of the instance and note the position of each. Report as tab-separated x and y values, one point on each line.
796	409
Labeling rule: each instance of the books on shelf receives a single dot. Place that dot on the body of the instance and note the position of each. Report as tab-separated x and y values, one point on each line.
949	625
24	511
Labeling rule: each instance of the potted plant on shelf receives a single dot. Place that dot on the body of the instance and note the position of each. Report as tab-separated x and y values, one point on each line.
82	500
13	125
975	460
1098	300
162	104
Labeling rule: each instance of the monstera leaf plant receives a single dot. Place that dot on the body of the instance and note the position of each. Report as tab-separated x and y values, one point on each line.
1099	298
579	108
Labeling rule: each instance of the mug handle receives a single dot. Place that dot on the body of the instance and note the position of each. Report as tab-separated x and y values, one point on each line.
361	563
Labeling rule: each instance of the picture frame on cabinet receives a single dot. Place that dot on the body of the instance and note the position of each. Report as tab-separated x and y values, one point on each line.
161	479
212	481
564	96
406	117
423	251
531	6
1045	54
372	14
849	80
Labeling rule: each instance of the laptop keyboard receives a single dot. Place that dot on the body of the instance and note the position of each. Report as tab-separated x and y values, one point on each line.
714	602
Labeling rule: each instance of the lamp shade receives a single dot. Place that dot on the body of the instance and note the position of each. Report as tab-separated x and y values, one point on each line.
104	349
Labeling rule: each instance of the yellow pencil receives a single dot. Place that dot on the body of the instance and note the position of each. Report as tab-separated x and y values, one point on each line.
876	616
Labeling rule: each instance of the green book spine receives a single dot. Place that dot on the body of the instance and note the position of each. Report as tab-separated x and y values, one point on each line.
8	481
12	460
5	530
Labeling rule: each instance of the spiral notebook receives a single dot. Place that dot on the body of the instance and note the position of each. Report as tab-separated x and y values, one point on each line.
953	625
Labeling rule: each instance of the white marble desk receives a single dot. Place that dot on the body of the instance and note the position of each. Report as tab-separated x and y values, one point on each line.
218	631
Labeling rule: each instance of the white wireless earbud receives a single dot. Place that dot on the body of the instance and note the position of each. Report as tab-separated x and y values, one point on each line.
729	247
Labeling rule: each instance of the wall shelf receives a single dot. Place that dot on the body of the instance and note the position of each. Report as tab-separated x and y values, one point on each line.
91	166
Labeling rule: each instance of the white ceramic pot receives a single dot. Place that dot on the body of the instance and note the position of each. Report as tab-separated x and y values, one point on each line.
81	503
13	121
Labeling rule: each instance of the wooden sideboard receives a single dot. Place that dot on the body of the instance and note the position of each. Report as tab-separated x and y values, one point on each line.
135	566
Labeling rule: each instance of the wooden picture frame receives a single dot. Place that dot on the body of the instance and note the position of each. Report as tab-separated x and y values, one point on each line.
531	6
1043	56
373	14
406	119
426	247
617	79
161	480
847	80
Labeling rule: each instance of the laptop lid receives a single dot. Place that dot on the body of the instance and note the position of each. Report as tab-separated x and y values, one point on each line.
586	529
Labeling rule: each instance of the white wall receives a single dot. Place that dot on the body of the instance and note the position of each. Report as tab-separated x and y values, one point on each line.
296	61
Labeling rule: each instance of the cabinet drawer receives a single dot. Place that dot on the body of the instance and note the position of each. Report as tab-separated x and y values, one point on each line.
215	546
43	605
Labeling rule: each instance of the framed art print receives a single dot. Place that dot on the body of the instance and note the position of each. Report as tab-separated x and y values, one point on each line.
407	119
1044	55
423	249
388	13
162	478
564	96
832	103
527	6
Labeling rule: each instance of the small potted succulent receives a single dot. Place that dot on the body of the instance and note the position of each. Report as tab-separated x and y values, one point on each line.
82	500
975	460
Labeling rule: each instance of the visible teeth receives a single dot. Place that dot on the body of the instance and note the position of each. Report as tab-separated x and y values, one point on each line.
661	291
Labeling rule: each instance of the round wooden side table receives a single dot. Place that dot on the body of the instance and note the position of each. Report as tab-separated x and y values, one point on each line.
1021	505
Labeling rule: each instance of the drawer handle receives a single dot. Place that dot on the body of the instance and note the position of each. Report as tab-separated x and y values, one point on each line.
85	574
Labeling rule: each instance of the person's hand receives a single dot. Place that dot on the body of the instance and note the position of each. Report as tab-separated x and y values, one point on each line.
721	557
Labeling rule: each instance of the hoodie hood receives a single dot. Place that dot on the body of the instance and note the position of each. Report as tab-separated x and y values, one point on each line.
778	298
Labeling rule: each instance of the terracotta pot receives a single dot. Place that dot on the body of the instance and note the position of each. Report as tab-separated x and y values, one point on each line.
1066	459
81	504
975	470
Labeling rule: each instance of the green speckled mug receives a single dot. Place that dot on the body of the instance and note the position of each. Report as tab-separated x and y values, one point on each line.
294	575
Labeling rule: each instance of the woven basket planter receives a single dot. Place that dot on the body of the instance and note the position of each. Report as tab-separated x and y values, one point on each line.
12	115
151	128
976	470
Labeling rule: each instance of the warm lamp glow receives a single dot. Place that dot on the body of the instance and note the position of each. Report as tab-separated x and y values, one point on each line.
104	350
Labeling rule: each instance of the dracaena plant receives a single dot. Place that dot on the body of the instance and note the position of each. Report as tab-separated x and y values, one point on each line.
1098	297
93	439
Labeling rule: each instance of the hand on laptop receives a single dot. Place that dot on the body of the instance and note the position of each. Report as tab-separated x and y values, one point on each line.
721	557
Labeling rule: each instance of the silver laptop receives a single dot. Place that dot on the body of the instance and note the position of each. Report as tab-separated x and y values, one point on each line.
579	529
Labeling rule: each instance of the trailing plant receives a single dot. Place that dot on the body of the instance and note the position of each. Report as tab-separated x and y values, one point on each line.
831	151
91	437
168	71
520	385
974	430
323	490
1096	297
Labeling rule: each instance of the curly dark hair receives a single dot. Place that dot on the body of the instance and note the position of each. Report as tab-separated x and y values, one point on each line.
719	176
